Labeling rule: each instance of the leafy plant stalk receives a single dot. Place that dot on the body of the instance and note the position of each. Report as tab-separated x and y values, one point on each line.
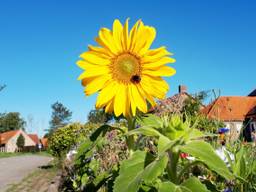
130	139
172	166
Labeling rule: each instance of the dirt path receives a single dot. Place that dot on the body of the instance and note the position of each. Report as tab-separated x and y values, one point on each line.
14	169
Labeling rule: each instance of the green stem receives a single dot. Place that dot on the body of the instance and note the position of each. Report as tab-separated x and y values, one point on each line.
130	139
172	166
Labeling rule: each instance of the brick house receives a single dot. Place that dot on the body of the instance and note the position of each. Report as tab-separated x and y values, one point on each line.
8	140
173	104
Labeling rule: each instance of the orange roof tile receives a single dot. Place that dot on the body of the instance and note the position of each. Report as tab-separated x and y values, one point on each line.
44	142
34	137
4	137
233	108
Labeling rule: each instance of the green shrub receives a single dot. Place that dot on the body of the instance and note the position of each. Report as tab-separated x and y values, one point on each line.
63	139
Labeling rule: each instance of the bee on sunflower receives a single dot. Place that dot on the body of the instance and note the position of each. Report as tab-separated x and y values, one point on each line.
124	70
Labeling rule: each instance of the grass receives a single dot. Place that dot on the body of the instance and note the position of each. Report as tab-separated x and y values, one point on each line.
39	180
4	154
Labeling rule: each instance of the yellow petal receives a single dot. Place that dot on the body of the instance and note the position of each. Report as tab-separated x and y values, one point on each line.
96	71
161	71
96	84
154	86
144	38
120	100
139	40
159	52
94	58
149	98
117	34
85	81
159	63
110	107
127	109
88	66
133	35
106	37
105	53
150	34
138	99
126	35
106	94
133	101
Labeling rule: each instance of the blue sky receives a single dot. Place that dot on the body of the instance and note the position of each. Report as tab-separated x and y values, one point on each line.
40	41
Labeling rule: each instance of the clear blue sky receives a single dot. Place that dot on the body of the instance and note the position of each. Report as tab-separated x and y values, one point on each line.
40	41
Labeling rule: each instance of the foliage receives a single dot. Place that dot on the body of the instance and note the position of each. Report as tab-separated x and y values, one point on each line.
64	138
173	137
103	162
206	124
11	121
243	166
98	158
60	116
156	162
20	141
191	109
99	116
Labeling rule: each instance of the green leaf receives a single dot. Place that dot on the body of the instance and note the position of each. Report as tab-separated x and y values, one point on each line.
132	172
195	134
145	131
129	170
164	144
167	187
254	167
205	153
171	187
151	121
155	169
101	131
240	167
194	185
83	151
84	179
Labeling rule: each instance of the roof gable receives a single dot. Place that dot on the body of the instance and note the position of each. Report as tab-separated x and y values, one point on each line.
6	136
34	137
44	142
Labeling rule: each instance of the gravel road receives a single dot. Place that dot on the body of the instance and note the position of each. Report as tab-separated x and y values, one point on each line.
14	169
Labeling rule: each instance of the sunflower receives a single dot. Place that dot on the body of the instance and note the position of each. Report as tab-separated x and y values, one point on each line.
124	70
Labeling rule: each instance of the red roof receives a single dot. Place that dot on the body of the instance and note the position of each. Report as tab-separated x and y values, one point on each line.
4	137
233	108
34	137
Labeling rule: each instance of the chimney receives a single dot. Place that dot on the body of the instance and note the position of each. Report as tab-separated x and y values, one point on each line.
182	89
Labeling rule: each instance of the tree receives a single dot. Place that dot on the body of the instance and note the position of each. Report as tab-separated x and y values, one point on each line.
11	121
193	104
99	116
192	109
20	141
60	116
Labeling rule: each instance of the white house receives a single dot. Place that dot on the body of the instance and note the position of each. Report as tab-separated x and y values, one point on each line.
8	140
236	112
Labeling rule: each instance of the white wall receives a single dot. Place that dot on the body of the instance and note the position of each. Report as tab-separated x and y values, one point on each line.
235	128
11	144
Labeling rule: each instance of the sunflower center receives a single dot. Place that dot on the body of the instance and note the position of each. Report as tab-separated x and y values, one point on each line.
126	68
